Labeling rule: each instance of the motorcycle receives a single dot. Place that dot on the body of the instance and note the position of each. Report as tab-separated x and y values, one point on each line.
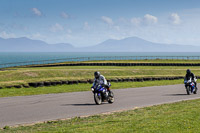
101	94
190	86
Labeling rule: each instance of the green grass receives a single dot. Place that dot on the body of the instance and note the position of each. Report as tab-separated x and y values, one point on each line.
5	92
177	117
24	75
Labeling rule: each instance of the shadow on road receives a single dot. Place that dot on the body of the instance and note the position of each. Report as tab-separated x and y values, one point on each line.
175	95
85	104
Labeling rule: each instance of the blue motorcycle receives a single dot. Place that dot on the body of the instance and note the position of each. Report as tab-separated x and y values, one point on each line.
101	94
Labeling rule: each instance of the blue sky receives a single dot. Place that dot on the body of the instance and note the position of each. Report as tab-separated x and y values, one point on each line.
89	22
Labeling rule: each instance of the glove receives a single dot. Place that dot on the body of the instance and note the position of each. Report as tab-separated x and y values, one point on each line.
92	89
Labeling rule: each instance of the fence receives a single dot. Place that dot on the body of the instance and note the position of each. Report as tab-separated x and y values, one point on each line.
98	58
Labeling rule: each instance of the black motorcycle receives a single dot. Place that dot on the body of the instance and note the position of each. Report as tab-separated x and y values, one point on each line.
190	87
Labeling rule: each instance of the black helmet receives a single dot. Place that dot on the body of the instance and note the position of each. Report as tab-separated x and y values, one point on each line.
188	71
96	74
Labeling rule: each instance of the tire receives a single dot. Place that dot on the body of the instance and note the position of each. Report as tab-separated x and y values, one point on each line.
97	98
111	98
195	92
188	90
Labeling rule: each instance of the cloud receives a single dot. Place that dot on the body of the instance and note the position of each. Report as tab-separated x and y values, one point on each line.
69	31
56	27
117	28
122	20
107	20
7	35
136	21
68	36
64	15
36	36
175	19
86	26
36	11
19	27
149	19
146	20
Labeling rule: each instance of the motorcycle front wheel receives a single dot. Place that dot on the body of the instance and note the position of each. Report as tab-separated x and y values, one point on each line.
97	98
188	88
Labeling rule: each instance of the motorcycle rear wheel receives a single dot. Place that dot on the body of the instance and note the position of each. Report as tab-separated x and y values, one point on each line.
195	92
111	98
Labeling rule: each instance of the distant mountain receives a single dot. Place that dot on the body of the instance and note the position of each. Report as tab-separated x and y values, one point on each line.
24	44
135	44
131	44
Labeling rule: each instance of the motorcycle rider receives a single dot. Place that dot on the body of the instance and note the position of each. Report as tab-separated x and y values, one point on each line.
99	80
189	75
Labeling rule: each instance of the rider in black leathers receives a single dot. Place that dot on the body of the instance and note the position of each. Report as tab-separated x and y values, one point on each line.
189	75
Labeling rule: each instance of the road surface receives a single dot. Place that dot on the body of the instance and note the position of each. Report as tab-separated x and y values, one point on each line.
38	108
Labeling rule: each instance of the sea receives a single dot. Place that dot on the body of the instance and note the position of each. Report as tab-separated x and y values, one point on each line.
15	57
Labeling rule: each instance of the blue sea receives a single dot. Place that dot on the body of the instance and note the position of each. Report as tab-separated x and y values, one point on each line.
12	57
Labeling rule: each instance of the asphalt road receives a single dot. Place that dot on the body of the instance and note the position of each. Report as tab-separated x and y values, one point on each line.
39	108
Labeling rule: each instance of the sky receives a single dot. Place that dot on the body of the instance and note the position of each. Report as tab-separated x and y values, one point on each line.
89	22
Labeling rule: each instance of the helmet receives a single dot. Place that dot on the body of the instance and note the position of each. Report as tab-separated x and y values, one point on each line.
188	71
96	74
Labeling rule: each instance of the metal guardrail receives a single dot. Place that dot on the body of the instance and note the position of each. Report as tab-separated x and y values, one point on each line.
78	59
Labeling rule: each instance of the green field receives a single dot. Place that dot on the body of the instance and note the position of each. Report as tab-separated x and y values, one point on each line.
177	117
16	76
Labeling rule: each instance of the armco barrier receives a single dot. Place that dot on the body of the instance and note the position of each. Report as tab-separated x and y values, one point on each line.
47	83
17	86
120	64
53	83
26	86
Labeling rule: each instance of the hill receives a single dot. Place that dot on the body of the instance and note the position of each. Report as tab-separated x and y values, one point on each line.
24	44
130	44
135	44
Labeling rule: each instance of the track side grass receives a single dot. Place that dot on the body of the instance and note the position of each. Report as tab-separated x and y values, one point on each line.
26	75
5	92
177	117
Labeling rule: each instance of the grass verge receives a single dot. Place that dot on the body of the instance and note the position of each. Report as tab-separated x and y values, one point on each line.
177	117
20	76
8	92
